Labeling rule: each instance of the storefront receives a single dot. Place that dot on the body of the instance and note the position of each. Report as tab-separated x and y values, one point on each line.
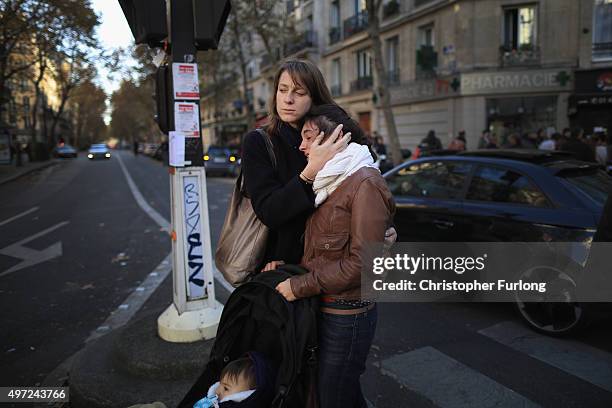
590	107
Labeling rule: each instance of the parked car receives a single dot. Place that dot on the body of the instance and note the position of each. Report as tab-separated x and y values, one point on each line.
504	196
222	160
65	151
98	151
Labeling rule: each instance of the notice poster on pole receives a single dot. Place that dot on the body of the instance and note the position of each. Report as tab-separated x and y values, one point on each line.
185	81
176	149
186	118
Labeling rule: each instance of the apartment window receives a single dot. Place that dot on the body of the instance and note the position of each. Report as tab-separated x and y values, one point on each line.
364	64
392	59
336	79
426	35
426	56
360	5
602	29
334	14
520	28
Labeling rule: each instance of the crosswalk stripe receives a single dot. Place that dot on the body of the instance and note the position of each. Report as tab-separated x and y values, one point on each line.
580	360
449	383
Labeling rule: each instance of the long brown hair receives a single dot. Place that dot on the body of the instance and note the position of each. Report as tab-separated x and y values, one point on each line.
305	73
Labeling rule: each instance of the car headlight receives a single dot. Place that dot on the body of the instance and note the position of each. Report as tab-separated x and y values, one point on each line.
232	159
206	157
107	154
90	156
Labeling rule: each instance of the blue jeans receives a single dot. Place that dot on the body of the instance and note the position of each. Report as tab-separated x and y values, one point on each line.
344	344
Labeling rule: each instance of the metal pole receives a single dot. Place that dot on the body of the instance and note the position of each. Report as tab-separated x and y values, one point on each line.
195	313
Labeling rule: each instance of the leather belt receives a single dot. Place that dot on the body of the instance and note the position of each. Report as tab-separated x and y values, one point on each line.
345	312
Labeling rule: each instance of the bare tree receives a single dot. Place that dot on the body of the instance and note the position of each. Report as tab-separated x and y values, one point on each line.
381	79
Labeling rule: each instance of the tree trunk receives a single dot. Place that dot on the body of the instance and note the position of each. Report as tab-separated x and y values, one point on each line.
381	81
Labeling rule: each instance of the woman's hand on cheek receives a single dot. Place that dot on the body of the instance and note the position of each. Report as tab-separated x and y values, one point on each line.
321	153
284	288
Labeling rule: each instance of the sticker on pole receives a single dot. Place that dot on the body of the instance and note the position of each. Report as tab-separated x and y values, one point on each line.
186	118
193	249
177	149
185	81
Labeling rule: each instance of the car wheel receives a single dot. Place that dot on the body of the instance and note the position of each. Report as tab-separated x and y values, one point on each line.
555	312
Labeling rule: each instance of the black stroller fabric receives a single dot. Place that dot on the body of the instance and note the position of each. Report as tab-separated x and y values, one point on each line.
257	318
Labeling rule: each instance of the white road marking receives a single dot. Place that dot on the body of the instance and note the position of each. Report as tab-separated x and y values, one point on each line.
449	383
31	210
134	301
31	256
151	212
580	360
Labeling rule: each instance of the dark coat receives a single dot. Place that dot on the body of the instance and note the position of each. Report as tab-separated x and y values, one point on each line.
579	149
281	200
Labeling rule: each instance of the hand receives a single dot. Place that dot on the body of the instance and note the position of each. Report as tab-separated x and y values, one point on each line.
284	288
272	265
321	153
390	238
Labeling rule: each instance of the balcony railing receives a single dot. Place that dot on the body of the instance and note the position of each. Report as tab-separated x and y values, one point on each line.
426	62
390	9
355	24
335	35
602	50
304	40
336	90
362	83
524	55
393	76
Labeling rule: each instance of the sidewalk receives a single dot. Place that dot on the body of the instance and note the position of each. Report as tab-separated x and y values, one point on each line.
10	172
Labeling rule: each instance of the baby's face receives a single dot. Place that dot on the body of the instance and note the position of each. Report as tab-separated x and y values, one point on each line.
229	386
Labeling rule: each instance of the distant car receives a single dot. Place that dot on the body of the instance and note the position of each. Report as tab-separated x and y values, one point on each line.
503	196
150	149
65	151
222	160
98	151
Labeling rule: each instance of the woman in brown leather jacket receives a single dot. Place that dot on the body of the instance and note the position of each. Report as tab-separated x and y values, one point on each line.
355	208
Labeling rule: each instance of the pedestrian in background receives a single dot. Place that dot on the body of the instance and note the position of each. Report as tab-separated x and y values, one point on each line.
579	149
550	143
458	143
513	142
485	139
601	150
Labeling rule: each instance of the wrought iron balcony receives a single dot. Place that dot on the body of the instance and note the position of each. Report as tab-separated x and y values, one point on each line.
524	55
362	83
393	76
336	90
426	62
355	24
390	9
306	39
335	35
602	50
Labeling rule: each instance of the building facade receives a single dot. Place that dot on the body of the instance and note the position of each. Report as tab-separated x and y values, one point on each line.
503	65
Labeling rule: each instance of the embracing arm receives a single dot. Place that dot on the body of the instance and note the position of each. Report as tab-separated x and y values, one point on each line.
335	276
274	203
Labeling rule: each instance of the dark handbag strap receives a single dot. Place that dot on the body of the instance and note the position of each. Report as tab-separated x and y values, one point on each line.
269	148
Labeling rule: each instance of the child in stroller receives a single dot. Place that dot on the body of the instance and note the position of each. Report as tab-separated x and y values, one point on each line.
256	318
239	380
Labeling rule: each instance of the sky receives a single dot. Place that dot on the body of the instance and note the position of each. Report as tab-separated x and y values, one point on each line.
113	33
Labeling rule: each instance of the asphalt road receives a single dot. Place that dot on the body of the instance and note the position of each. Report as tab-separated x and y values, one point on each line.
439	355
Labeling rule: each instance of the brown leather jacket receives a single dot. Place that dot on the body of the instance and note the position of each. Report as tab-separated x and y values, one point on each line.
358	212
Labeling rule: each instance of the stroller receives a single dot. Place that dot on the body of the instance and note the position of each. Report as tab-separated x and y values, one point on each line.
257	318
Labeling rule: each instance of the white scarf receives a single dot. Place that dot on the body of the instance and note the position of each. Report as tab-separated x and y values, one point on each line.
341	166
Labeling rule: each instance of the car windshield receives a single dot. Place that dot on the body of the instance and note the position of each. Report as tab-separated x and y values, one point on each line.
217	152
595	184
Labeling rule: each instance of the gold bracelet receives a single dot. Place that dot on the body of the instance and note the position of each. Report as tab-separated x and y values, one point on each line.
306	179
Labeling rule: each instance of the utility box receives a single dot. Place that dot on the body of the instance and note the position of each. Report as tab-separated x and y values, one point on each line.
147	20
209	17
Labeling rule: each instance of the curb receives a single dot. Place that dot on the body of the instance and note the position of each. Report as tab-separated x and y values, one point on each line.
29	170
